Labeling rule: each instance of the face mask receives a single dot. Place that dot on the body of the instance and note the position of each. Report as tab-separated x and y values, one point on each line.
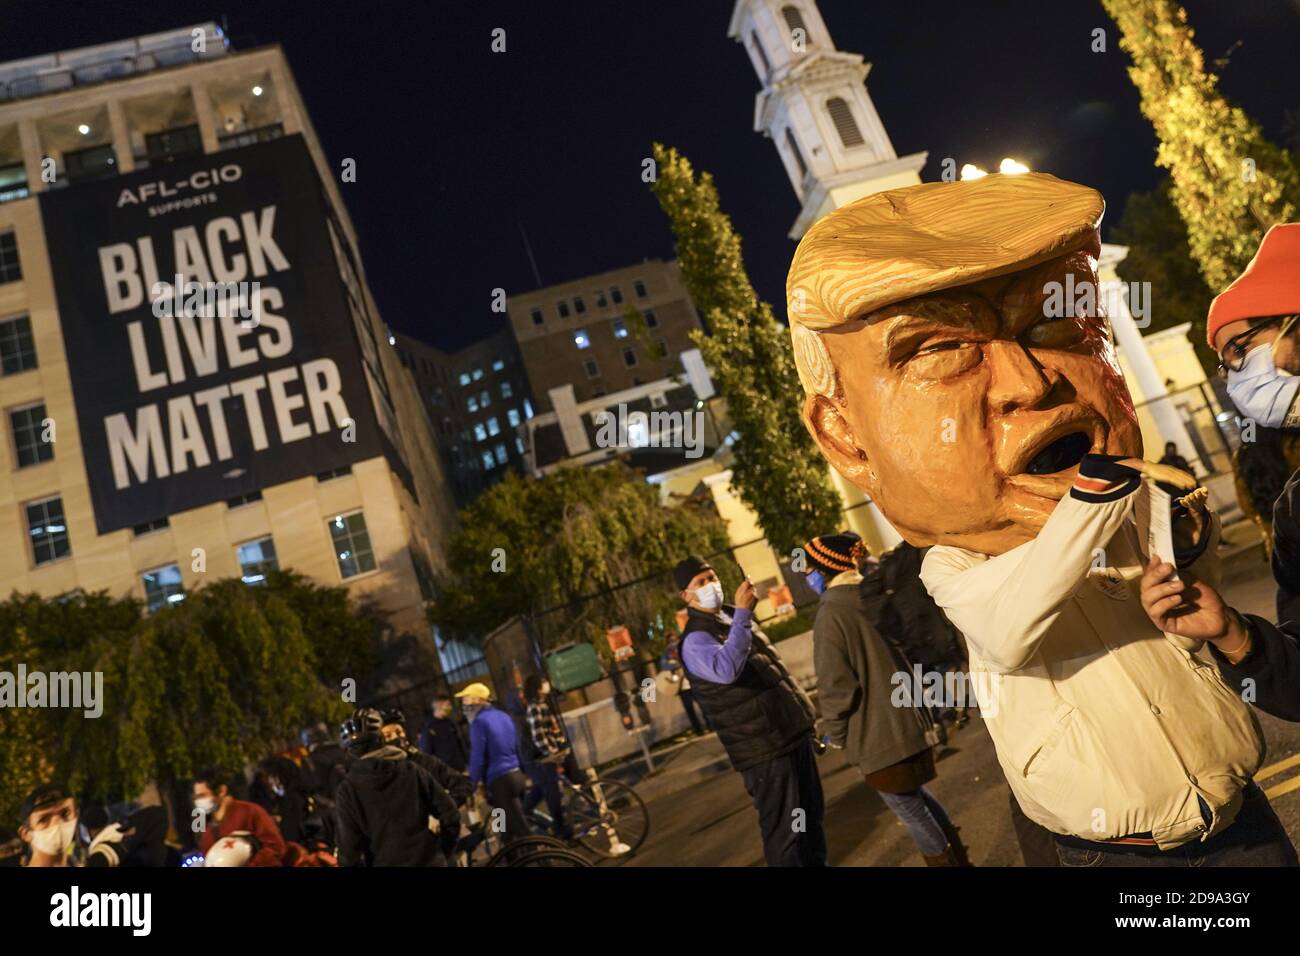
1260	390
278	791
709	596
53	840
472	710
816	580
205	804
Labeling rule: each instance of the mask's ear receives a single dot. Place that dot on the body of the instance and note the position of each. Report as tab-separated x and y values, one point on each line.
831	431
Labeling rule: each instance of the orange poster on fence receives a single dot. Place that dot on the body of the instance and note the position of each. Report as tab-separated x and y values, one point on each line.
781	598
682	615
620	642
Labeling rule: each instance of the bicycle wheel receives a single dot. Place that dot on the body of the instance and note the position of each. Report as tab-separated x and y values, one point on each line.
607	818
511	853
551	856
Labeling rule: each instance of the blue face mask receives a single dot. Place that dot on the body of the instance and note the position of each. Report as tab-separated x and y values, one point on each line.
1260	391
816	580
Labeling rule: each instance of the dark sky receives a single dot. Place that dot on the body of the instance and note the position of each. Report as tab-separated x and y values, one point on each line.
456	146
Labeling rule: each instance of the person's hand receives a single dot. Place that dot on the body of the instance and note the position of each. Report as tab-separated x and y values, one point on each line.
1161	474
1190	609
1188	528
745	596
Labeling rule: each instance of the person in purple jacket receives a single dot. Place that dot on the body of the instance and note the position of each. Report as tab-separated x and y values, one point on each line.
762	716
494	758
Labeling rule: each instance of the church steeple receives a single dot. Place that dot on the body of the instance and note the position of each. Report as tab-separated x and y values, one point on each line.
815	108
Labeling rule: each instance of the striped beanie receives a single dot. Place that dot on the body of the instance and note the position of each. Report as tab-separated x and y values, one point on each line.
832	554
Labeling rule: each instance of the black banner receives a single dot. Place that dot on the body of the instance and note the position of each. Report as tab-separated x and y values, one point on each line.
208	337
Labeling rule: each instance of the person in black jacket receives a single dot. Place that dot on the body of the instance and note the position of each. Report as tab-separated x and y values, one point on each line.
763	718
453	781
443	735
385	802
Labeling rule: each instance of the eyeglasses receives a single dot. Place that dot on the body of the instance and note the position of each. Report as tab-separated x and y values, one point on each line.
1233	356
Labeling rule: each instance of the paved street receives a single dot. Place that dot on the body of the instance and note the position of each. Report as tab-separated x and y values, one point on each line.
703	817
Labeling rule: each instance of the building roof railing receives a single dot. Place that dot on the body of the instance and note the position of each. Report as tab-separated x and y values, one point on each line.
86	66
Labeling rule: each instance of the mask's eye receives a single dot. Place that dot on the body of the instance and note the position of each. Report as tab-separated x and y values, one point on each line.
943	358
1057	332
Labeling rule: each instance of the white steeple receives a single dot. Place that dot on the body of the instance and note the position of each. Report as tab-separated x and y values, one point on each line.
814	106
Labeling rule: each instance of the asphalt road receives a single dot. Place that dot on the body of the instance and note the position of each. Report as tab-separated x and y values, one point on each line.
710	822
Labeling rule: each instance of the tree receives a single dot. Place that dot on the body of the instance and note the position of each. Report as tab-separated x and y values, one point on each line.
530	546
778	471
1158	253
1229	183
224	677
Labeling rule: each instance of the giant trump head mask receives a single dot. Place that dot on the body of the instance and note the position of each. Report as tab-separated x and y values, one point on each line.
953	353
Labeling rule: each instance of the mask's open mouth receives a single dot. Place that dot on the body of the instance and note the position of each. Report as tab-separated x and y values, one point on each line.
1066	452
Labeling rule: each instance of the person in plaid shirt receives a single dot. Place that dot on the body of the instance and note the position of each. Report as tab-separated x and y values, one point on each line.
551	750
543	724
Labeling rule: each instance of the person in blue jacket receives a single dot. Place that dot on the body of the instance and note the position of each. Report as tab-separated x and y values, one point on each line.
494	759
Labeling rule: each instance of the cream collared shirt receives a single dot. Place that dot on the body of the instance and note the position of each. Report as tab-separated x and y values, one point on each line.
1104	725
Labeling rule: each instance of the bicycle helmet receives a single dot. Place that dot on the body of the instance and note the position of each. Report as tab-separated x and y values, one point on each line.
234	850
363	731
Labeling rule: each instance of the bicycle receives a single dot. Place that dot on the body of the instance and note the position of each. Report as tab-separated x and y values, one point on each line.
605	817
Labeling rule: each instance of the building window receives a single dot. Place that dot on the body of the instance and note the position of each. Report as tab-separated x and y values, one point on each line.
478	373
528	409
578	305
651	320
488	461
844	122
464	378
562	308
519	444
629	358
333	473
13	182
513	417
639	288
502	455
256	560
95	162
10	269
17	350
758	48
162	586
480	432
794	20
498	365
48	531
537	317
794	151
507	391
471	403
660	350
600	299
593	370
581	340
597	391
247	499
30	445
616	295
620	329
352	544
493	427
149	527
484	398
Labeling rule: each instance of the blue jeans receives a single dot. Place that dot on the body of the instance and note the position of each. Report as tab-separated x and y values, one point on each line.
924	818
1255	838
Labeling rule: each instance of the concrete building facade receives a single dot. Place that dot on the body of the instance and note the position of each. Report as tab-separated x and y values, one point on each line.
70	121
604	333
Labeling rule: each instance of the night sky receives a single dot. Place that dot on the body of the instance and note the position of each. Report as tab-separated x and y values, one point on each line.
456	146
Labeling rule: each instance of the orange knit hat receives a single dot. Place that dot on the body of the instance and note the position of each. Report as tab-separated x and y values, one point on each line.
1269	286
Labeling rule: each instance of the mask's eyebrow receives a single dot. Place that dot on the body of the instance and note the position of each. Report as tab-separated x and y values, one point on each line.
905	328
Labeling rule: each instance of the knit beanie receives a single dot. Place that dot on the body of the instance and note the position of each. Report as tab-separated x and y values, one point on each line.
833	554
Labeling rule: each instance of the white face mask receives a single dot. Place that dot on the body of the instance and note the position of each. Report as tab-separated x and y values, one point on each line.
205	804
1261	390
709	596
53	840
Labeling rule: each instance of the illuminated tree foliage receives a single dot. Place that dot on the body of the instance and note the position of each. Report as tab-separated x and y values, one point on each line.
777	471
1229	183
530	546
224	677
